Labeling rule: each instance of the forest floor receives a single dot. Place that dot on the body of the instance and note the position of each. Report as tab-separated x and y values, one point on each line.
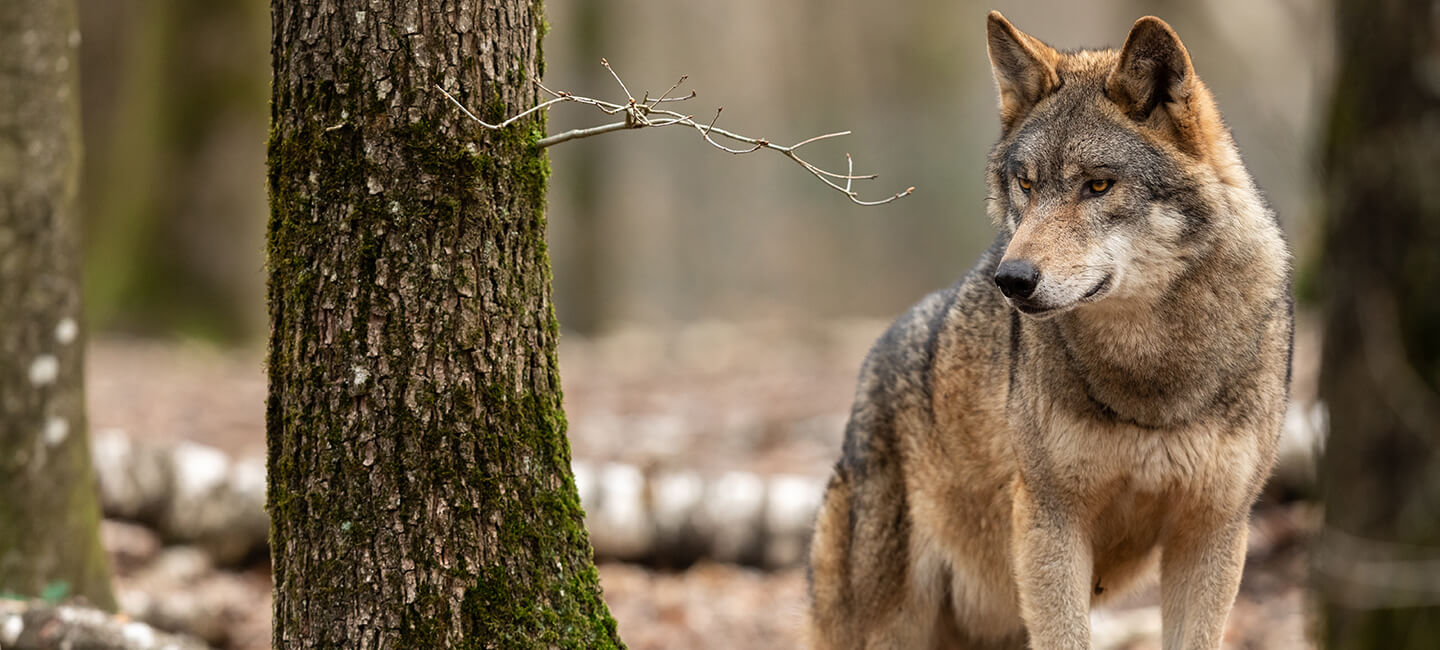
716	397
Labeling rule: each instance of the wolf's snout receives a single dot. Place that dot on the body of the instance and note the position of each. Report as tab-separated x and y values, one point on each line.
1017	278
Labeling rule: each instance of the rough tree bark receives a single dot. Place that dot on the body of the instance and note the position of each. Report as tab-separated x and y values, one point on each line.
49	512
1381	366
420	488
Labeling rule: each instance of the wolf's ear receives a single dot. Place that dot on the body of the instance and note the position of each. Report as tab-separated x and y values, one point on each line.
1154	70
1024	68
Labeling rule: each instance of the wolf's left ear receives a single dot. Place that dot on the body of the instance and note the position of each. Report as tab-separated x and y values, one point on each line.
1154	70
1024	68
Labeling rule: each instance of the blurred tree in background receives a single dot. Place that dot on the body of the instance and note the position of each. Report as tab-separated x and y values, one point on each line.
49	511
174	187
1381	373
591	279
420	489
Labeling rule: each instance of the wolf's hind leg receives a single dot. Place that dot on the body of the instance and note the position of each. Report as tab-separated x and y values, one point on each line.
830	620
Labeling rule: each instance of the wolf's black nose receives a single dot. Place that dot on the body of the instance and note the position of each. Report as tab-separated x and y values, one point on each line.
1017	278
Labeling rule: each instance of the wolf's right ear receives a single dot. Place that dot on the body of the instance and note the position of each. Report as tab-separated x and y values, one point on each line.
1154	71
1024	69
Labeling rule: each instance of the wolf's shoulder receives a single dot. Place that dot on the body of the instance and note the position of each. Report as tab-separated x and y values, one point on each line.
898	375
902	356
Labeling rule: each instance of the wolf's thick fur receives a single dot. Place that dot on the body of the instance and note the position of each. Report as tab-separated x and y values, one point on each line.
1012	459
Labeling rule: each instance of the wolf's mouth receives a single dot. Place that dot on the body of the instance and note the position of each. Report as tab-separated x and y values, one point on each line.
1099	287
1030	309
1041	310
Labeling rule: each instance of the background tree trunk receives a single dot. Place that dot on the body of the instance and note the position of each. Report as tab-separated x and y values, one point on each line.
591	280
1381	366
420	486
175	165
49	513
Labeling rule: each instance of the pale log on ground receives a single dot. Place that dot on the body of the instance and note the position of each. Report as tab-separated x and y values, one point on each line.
37	625
672	516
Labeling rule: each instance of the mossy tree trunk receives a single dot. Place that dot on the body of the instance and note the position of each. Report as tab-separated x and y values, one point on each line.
420	487
49	513
1381	366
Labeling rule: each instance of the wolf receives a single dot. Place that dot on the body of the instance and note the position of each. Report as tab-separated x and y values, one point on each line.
1098	400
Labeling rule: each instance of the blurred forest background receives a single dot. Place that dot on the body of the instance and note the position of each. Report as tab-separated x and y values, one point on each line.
653	228
715	308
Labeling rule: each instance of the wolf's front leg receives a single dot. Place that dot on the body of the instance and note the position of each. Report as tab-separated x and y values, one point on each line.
1053	563
1200	567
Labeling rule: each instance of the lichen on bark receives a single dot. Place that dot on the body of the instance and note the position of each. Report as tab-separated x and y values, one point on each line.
420	490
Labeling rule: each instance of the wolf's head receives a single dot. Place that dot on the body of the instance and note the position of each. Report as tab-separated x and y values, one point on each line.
1111	169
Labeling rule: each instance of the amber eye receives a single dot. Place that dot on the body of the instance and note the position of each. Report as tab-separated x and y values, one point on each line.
1024	185
1099	186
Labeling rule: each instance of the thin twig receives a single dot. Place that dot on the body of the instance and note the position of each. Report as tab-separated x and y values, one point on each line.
665	94
538	107
641	114
617	80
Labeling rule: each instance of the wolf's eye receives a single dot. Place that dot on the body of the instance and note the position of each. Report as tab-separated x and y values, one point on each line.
1099	186
1024	184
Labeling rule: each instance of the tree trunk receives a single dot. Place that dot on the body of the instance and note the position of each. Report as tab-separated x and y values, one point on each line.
1381	365
49	513
420	486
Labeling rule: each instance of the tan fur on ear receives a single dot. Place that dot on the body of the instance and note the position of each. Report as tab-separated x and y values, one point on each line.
1024	68
1154	71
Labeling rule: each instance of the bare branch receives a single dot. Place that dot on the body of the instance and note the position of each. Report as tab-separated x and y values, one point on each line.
818	138
710	128
644	113
575	134
538	107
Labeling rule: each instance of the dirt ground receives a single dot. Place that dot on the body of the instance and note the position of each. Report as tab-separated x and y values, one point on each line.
715	396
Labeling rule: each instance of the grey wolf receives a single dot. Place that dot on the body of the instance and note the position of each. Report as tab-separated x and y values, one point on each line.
1097	401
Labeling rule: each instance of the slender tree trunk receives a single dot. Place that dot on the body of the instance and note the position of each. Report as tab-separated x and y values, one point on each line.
420	486
49	513
1381	372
